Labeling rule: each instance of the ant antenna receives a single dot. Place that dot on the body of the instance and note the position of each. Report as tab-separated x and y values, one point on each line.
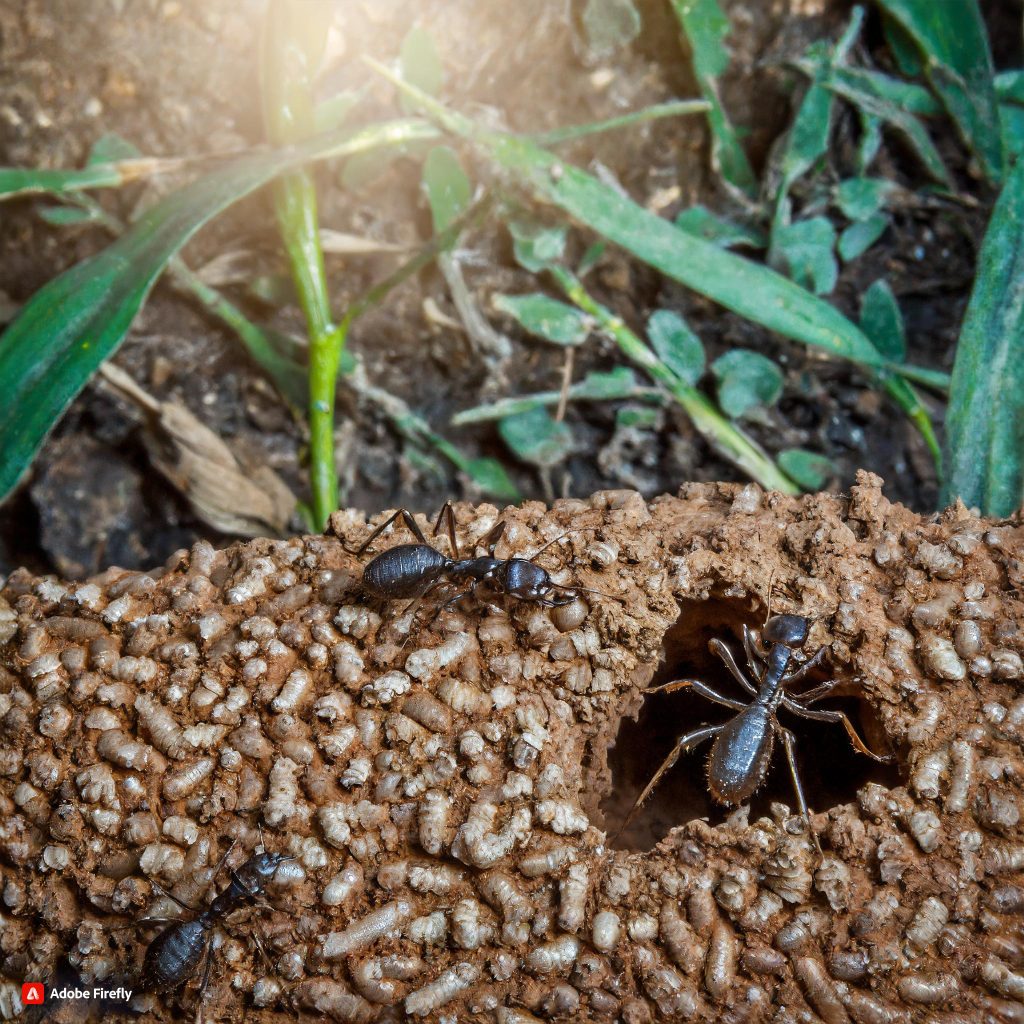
585	590
568	533
771	584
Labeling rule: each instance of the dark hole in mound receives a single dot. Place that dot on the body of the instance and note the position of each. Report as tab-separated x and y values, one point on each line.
830	769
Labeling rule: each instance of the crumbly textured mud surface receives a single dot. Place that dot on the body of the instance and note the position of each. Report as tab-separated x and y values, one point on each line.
445	785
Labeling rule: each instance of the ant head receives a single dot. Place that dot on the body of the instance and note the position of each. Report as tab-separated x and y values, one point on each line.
266	864
790	630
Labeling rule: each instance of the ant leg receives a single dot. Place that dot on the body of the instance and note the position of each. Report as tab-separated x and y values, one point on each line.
448	515
836	716
755	657
789	742
493	535
409	522
170	895
689	740
208	953
730	663
818	693
808	666
440	608
698	687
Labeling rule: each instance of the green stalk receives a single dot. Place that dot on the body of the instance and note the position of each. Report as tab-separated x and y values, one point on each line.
674	108
293	46
725	437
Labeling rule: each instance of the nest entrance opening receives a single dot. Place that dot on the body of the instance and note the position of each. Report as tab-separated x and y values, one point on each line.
830	769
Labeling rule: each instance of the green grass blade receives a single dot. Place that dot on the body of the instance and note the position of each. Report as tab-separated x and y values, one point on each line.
673	108
77	320
951	37
747	288
21	181
985	421
865	93
705	27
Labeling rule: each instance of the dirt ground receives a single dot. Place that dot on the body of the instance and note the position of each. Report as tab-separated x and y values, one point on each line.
180	78
445	786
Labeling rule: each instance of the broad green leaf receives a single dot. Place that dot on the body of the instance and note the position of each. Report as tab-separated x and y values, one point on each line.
883	88
1010	86
746	379
589	259
609	25
421	63
77	320
985	420
598	386
808	469
705	27
957	61
536	245
860	198
882	321
330	114
806	248
1011	123
66	216
903	48
861	89
546	317
448	189
870	140
639	417
807	138
111	149
858	237
677	346
536	437
492	478
18	181
700	221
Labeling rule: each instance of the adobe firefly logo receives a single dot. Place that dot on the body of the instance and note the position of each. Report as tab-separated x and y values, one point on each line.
32	993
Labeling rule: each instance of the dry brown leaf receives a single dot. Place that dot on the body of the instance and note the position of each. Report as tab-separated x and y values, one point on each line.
239	499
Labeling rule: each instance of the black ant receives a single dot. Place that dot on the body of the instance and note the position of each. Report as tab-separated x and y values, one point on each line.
742	750
414	570
173	957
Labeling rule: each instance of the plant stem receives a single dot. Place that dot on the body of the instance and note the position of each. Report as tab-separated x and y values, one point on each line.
674	108
293	45
725	437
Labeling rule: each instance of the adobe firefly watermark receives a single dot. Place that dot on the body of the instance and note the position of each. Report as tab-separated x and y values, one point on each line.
34	993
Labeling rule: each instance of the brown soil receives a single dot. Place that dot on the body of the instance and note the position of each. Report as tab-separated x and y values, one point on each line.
180	78
448	792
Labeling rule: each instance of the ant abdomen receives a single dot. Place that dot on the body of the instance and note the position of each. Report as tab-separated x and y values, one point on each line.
740	756
404	571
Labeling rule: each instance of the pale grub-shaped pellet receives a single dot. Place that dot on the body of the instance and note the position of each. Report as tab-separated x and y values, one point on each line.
544	862
819	990
283	801
556	957
720	963
472	925
479	844
383	922
442	990
928	773
928	922
335	1000
940	658
163	728
562	817
929	988
572	893
187	779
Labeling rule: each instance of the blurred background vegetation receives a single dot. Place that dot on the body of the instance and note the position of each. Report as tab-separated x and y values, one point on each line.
262	259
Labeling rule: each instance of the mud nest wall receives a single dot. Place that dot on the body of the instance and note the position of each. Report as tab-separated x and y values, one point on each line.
441	786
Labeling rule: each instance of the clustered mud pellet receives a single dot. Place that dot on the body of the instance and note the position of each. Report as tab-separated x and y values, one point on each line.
437	783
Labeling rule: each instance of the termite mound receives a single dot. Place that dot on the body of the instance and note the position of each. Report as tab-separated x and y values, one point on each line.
444	786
